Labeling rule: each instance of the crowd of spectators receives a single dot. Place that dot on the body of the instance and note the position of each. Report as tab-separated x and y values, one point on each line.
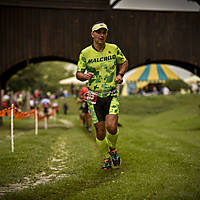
25	101
155	89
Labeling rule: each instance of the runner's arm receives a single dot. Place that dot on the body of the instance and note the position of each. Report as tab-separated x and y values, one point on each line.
84	77
123	68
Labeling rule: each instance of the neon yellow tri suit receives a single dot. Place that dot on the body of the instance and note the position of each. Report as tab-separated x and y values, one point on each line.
104	66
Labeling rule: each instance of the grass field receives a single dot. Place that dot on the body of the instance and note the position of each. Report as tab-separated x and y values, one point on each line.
159	144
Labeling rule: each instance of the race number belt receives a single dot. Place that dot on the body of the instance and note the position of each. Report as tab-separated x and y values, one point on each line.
108	93
91	96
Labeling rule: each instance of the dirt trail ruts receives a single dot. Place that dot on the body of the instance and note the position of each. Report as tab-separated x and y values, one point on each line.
56	164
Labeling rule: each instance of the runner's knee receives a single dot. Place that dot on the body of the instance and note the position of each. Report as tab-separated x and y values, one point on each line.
111	124
112	129
100	130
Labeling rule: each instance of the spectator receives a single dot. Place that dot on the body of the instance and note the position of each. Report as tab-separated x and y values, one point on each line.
46	103
166	91
55	106
32	103
65	108
72	89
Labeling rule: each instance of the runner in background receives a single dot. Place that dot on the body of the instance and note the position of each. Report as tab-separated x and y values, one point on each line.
84	112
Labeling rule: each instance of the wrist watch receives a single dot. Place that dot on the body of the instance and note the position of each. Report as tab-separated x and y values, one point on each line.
121	74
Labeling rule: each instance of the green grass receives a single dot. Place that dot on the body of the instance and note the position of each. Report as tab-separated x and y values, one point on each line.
159	144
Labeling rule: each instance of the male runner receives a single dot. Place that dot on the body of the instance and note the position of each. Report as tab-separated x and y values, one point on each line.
85	115
101	60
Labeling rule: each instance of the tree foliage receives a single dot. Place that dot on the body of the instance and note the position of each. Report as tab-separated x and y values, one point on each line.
44	76
25	79
176	85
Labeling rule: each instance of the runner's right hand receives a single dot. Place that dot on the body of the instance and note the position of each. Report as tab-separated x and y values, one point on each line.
89	75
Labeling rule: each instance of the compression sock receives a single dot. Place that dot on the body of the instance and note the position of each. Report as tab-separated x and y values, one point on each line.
112	139
103	146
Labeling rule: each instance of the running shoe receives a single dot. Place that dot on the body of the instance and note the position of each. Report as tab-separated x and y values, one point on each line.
107	164
115	157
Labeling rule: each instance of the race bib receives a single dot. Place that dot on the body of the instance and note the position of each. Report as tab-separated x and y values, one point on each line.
90	97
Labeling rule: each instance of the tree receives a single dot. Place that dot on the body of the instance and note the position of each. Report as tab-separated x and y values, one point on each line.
43	76
176	85
25	79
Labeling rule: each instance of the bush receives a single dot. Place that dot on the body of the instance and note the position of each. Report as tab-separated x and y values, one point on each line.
176	85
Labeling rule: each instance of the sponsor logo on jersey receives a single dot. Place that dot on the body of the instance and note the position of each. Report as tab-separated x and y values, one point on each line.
102	59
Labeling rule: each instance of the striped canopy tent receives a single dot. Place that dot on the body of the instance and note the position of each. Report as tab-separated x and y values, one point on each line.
150	73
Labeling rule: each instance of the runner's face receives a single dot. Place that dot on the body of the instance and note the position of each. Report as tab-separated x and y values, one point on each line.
100	36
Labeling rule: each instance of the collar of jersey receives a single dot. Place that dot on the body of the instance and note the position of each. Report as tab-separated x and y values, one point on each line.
97	50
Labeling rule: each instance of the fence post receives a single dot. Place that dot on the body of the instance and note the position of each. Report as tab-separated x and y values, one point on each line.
36	122
45	123
12	126
1	96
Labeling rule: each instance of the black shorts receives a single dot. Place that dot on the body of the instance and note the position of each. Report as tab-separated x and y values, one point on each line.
104	106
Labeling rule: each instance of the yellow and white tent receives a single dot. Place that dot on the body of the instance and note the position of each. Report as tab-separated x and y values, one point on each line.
150	73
